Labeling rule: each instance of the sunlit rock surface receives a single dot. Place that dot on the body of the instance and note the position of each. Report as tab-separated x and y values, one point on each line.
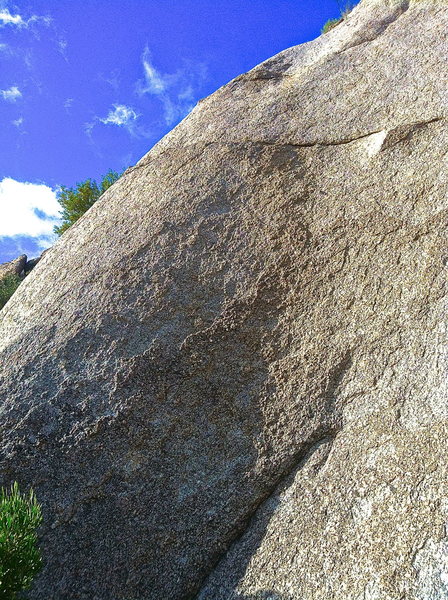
249	399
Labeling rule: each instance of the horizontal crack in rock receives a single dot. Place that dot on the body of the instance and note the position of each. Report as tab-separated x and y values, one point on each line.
409	127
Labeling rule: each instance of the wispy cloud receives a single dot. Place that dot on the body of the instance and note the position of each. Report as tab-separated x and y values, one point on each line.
113	79
121	115
18	122
68	103
62	46
28	209
155	82
178	91
11	94
6	18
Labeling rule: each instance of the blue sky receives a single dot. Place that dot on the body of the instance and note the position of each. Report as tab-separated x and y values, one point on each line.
90	86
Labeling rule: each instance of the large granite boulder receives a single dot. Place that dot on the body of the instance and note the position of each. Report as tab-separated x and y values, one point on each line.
249	399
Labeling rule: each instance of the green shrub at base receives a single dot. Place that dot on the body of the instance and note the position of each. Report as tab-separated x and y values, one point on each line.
20	558
8	286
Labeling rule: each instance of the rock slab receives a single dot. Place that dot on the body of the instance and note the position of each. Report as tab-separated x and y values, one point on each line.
250	400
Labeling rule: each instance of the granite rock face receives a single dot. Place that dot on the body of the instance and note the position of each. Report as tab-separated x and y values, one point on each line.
13	267
20	266
249	400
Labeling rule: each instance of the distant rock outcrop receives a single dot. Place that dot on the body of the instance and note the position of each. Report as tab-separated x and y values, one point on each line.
248	400
20	266
12	274
30	264
13	267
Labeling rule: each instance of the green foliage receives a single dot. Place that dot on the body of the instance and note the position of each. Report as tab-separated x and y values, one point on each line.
77	200
8	286
330	24
20	558
333	22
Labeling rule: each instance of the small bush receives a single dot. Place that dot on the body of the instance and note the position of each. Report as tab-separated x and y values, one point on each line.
20	558
8	286
330	24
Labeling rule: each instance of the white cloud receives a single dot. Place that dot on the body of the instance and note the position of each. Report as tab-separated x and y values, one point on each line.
121	115
178	91
28	209
12	94
6	18
18	122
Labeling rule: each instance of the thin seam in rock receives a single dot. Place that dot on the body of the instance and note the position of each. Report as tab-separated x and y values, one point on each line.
140	165
322	143
379	33
246	77
297	462
413	125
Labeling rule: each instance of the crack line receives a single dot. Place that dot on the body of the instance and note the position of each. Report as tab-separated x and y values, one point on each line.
294	464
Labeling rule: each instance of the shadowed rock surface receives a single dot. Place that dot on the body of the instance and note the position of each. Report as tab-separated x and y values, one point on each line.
249	399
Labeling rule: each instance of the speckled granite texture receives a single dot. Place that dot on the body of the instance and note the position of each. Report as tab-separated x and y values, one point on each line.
249	399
